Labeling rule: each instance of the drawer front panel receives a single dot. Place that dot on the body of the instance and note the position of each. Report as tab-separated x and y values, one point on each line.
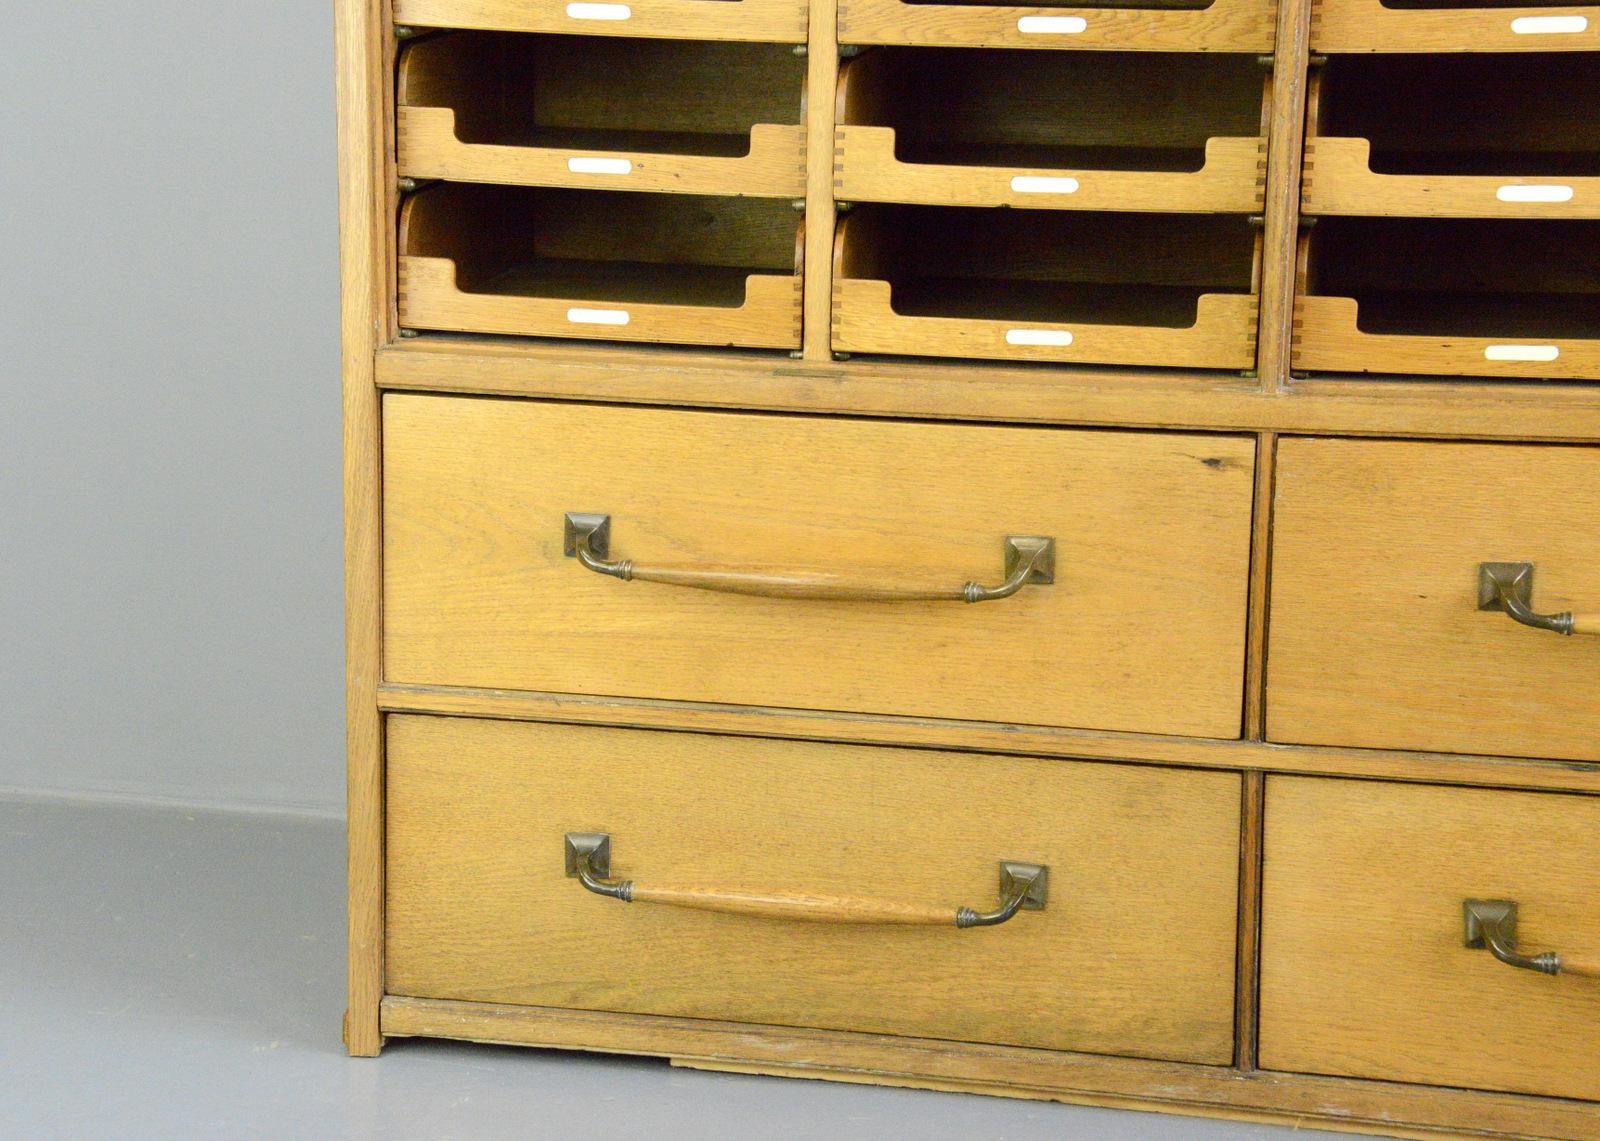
1365	972
1151	560
1376	636
1132	953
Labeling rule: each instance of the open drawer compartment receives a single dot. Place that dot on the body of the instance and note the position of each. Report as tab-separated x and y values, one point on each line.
767	21
1139	289
1475	136
1388	26
601	264
698	117
1457	297
1151	25
1053	130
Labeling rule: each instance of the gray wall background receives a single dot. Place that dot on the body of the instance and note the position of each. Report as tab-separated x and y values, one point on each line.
170	553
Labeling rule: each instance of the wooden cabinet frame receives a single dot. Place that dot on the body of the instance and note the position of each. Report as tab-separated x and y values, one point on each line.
1268	401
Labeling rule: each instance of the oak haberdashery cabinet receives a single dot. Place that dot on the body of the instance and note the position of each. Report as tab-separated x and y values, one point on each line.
1049	551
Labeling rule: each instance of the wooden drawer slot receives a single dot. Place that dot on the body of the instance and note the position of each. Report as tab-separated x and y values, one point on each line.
770	21
1464	297
607	264
1476	136
1053	130
1150	289
1377	636
1389	26
605	113
1157	25
1366	971
1131	953
480	590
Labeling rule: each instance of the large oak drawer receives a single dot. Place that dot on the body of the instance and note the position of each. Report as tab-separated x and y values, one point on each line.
1142	628
1132	953
1377	637
1365	971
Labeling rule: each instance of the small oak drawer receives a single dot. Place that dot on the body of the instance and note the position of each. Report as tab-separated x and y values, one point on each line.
600	265
816	885
1387	627
1371	894
1166	132
1142	25
818	563
1453	26
602	112
774	21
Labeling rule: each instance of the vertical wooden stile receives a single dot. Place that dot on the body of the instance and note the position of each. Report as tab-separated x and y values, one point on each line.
822	77
365	312
1252	812
1247	977
1285	145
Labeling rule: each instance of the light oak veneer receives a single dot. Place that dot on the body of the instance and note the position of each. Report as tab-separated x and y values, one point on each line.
479	592
1364	968
1131	954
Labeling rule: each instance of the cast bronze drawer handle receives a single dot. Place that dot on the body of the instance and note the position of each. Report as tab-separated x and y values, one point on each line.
1492	923
1023	887
1028	559
1509	587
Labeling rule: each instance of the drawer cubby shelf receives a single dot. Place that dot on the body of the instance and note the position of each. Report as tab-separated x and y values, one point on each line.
1143	289
1469	136
1056	130
1460	297
599	264
1389	26
769	21
689	117
1155	25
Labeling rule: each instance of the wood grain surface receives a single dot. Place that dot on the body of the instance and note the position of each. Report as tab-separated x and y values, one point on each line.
1376	636
1344	1105
1364	968
1372	26
1224	25
776	21
1001	393
479	593
364	319
1132	954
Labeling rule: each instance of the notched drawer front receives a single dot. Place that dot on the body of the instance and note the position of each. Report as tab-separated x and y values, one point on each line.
828	525
1132	953
1366	971
1377	636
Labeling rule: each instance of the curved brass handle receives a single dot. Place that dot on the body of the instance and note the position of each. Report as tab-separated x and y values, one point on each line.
1028	559
588	859
1508	587
1492	924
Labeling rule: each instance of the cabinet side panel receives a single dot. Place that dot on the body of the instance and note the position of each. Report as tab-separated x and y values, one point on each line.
358	30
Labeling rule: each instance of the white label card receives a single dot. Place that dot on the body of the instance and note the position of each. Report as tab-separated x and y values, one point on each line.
598	316
599	11
1039	184
1051	25
1521	353
1054	338
1549	25
599	166
1534	193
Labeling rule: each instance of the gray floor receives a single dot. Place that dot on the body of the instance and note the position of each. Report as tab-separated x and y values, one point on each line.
169	973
